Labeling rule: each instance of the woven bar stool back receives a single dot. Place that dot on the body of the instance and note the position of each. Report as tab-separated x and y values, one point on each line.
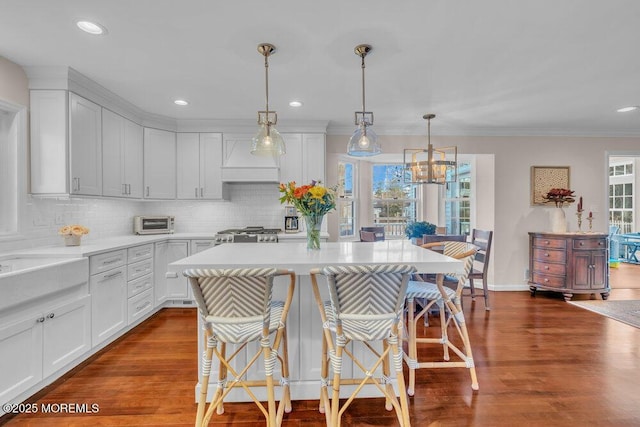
365	305
236	307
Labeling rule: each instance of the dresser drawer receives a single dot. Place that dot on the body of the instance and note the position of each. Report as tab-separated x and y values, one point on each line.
139	269
548	280
138	253
544	242
590	244
549	268
140	305
107	261
549	255
135	287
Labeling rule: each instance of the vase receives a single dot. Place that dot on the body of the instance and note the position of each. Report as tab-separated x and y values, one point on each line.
558	221
71	240
313	223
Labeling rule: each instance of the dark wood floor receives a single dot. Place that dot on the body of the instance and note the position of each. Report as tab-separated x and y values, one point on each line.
540	362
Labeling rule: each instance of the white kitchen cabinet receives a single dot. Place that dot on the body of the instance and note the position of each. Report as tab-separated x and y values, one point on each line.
200	245
304	160
66	144
121	156
199	166
159	164
175	287
41	343
85	141
108	288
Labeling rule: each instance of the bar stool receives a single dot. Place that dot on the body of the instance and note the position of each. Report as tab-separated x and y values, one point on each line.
236	307
449	303
365	305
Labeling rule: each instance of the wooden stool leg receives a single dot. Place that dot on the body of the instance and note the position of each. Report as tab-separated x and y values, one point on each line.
206	372
222	379
335	397
413	352
386	372
397	362
443	331
286	391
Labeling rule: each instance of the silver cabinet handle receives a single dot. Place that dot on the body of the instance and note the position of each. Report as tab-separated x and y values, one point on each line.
140	307
196	191
40	320
147	191
171	275
200	191
129	189
109	276
124	188
50	315
111	261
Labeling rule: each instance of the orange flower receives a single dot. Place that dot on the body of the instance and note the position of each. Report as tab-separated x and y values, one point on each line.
65	230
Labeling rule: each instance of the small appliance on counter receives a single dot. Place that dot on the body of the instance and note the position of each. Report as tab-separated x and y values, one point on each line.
290	219
157	224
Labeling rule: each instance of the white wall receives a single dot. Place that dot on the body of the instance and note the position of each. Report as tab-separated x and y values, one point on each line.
514	216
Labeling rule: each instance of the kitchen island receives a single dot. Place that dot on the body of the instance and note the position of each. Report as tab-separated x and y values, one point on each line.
304	326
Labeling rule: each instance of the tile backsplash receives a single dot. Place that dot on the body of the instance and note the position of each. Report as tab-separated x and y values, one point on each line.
248	204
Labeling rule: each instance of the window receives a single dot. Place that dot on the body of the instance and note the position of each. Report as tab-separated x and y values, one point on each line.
621	170
621	206
457	203
394	201
346	199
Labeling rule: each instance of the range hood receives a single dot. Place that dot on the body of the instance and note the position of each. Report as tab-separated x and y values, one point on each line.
239	165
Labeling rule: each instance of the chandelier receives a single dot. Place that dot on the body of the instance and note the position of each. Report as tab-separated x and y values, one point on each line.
431	166
364	141
268	141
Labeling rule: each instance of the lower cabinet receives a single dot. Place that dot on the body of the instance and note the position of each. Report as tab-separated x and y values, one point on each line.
108	287
42	343
139	282
174	288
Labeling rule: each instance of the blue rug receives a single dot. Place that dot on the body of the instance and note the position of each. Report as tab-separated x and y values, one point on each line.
626	311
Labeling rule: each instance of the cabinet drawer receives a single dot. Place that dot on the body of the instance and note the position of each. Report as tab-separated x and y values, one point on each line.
544	242
140	285
138	253
107	261
548	255
547	280
589	243
139	269
549	268
140	305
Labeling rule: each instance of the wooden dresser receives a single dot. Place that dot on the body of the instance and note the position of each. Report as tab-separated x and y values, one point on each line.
569	263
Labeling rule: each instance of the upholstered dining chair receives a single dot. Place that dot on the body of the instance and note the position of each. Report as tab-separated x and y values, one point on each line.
371	234
450	310
236	307
365	305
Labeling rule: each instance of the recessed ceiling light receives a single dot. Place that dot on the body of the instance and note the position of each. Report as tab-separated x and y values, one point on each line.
627	109
181	102
295	104
91	27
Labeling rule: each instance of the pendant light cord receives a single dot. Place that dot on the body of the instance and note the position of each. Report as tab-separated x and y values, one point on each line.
363	109
266	79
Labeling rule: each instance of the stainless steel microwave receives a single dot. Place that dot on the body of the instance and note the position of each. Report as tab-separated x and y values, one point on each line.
143	224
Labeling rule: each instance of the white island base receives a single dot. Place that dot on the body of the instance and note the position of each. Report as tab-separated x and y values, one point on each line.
303	323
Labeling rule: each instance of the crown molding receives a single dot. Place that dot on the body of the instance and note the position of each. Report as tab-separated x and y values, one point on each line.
249	126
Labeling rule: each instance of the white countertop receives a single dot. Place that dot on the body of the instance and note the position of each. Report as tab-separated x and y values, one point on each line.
295	256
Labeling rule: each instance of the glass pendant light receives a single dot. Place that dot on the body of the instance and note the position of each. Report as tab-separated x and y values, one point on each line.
268	141
364	141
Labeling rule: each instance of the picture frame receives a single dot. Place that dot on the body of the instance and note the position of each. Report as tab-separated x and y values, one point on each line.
544	178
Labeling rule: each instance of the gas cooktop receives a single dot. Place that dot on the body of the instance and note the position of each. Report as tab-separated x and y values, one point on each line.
247	235
251	230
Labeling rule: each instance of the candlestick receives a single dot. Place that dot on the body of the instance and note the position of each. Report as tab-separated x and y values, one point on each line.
590	218
579	214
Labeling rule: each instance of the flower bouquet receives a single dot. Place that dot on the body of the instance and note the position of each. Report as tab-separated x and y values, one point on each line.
313	201
559	196
72	234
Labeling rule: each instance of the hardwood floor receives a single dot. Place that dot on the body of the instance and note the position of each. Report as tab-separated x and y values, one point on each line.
625	276
540	362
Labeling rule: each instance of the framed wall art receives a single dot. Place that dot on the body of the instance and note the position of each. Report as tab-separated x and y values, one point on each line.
544	178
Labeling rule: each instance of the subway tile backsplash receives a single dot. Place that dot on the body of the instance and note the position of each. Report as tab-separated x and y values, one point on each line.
248	204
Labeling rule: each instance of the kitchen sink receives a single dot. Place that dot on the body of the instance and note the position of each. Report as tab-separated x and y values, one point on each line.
28	277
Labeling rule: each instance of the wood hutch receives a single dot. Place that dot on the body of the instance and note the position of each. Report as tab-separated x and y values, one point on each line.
570	263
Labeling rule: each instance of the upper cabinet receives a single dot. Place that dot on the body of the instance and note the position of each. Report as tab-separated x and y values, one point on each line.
199	166
66	144
121	156
304	160
159	164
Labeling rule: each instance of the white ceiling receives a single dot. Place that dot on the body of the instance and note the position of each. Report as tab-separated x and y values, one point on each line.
484	67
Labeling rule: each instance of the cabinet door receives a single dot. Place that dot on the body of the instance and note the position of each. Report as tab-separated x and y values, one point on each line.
112	146
132	159
582	270
66	334
109	304
291	163
20	356
600	266
210	165
177	288
188	165
198	246
85	142
313	155
159	164
160	269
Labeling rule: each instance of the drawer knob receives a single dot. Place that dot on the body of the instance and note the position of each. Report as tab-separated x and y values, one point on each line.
546	280
546	242
546	267
581	243
546	254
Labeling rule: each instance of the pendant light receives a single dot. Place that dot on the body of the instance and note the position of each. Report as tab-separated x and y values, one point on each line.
364	141
431	166
268	141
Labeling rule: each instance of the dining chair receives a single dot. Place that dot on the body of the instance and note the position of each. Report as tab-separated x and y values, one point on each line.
237	307
482	239
371	234
365	305
450	312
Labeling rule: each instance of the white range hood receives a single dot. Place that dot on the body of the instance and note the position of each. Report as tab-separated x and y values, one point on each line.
239	165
